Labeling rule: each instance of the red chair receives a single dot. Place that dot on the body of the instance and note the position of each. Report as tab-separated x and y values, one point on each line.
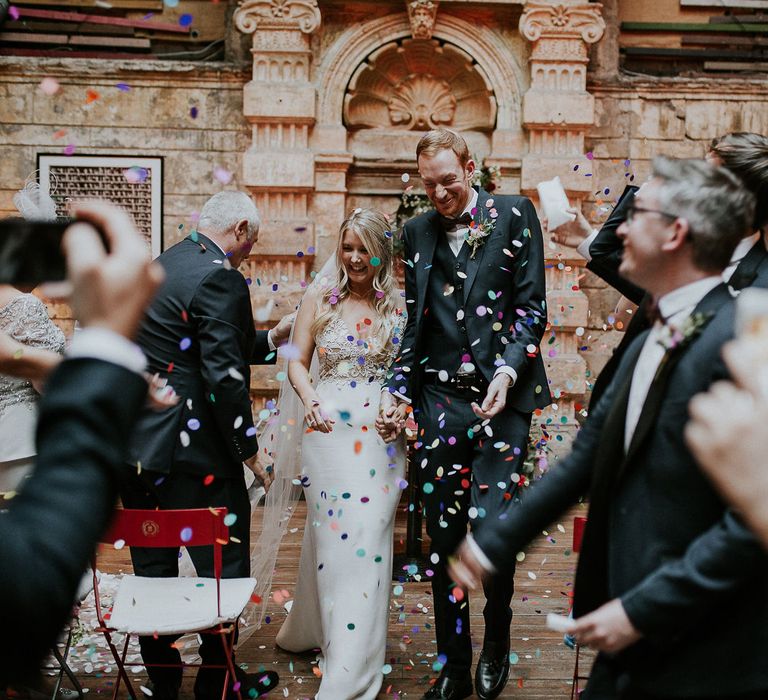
149	606
579	523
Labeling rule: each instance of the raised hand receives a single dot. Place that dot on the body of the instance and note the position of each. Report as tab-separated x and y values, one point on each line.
571	233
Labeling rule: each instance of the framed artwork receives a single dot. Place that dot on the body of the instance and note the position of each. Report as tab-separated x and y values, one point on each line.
136	184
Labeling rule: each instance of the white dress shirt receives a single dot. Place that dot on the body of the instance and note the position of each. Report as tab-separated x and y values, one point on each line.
457	236
675	308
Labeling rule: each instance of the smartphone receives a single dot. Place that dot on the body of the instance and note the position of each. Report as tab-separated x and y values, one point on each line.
30	251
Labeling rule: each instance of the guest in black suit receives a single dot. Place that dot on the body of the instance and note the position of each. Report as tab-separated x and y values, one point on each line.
199	334
471	366
726	432
668	579
91	403
745	155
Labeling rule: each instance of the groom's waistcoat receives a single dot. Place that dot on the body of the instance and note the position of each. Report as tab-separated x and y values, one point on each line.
445	330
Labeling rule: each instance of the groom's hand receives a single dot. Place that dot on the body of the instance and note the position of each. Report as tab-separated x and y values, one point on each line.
495	398
265	475
391	418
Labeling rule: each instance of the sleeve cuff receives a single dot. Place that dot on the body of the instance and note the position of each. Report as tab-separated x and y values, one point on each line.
583	247
396	394
270	343
478	553
103	344
506	369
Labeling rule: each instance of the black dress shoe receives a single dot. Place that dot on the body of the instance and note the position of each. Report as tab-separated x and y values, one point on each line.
252	685
450	688
492	672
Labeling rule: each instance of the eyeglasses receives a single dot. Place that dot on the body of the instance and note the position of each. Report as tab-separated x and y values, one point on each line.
632	210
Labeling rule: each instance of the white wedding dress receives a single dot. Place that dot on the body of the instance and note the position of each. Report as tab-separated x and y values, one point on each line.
352	484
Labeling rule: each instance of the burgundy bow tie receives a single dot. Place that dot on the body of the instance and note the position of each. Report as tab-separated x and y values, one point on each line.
449	223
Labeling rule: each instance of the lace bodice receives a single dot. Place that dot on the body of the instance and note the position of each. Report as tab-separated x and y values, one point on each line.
344	357
25	319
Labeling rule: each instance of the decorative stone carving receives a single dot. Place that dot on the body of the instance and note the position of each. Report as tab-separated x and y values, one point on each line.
422	15
422	102
277	14
547	19
418	85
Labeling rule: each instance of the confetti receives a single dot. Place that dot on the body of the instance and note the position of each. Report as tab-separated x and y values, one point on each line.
91	96
222	175
50	86
185	20
13	11
123	87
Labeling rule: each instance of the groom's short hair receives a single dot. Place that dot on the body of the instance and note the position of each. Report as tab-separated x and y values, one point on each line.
443	140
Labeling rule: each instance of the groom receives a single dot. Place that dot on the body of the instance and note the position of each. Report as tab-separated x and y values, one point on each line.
470	366
199	334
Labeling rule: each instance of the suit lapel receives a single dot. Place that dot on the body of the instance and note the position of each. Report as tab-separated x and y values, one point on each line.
482	214
707	307
425	244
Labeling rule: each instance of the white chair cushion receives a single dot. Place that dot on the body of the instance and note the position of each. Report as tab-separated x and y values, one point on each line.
176	605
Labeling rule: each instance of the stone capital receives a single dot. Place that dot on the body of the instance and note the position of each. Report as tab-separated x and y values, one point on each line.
422	15
562	20
277	14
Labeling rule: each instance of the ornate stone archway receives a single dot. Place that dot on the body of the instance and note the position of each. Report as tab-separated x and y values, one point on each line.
302	149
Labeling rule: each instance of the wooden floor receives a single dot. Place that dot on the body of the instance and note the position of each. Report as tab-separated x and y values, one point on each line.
542	668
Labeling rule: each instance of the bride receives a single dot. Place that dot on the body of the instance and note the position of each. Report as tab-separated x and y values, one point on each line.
351	318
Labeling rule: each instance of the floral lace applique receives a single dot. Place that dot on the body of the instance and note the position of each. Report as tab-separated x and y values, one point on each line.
25	319
345	358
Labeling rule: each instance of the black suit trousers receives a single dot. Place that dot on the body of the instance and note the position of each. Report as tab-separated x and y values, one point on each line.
179	490
465	470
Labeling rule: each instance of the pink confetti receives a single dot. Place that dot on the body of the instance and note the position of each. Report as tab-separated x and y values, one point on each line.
222	175
50	86
13	11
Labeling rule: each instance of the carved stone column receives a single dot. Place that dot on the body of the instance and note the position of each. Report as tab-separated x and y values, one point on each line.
278	167
557	112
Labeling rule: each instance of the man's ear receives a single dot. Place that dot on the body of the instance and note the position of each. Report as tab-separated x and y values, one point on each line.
679	234
469	168
241	229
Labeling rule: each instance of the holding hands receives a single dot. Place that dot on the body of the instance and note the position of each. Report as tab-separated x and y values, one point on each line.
392	416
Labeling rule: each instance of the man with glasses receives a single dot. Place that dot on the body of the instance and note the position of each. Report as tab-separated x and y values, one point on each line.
744	154
670	586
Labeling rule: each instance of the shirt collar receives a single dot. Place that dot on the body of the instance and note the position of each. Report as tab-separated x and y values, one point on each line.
216	246
472	203
683	300
743	247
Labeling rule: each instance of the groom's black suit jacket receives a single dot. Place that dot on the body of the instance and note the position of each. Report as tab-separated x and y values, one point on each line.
510	263
690	576
199	333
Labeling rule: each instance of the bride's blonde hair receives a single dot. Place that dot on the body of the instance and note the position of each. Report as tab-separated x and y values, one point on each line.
373	230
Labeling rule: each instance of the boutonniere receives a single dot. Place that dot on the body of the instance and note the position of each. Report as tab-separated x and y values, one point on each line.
480	230
673	338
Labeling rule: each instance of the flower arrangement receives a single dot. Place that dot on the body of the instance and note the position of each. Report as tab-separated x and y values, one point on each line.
674	338
478	232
